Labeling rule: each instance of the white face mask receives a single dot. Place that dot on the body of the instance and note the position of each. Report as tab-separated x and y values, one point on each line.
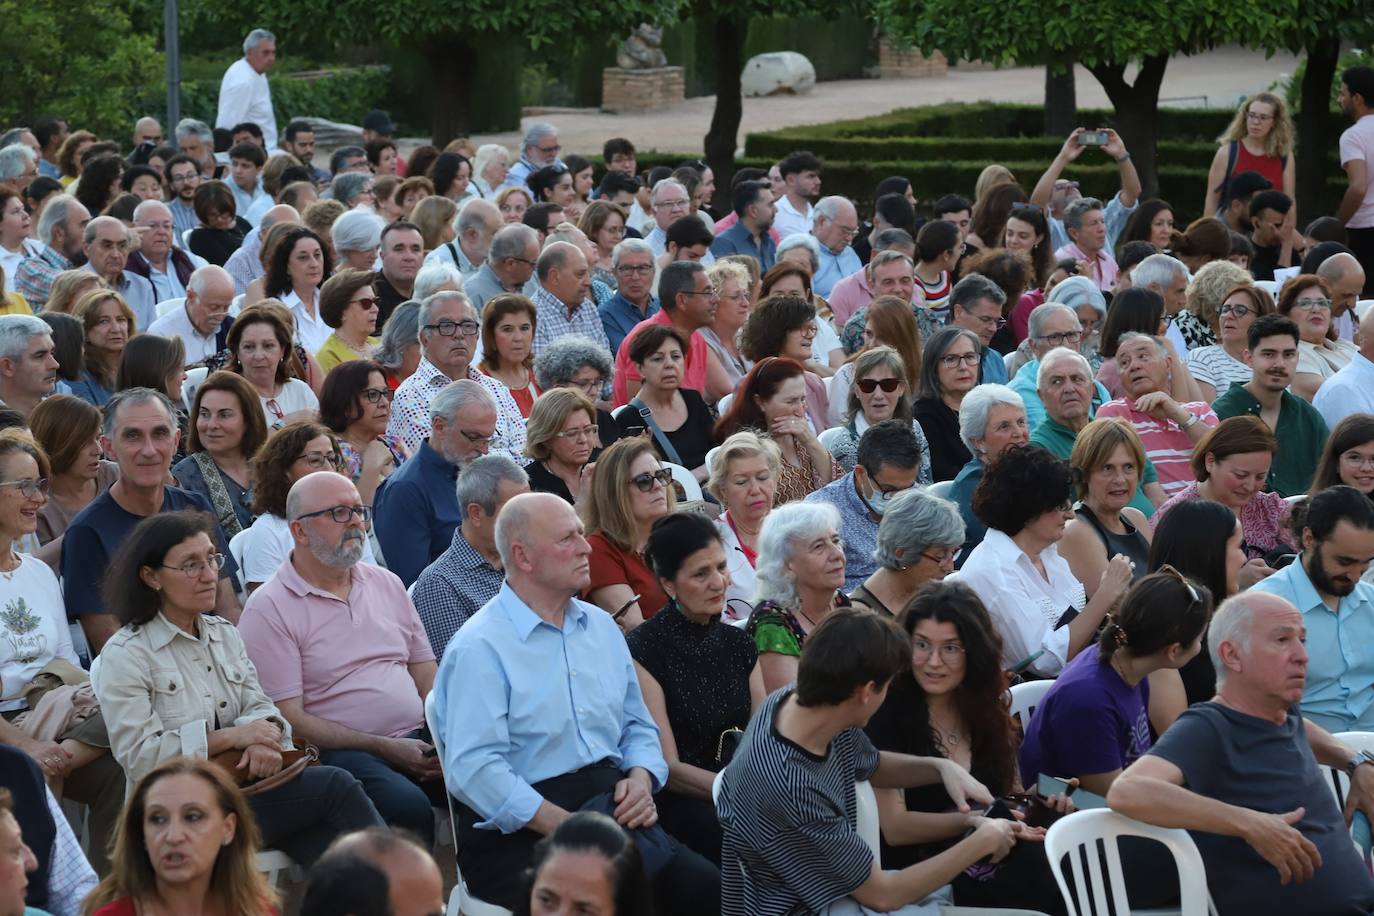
879	500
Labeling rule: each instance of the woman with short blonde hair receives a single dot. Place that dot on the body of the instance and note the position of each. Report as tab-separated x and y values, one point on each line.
562	438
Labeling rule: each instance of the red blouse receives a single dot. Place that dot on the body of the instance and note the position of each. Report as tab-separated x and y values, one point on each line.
612	566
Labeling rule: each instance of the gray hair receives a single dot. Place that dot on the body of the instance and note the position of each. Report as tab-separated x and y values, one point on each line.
16	331
537	131
1158	270
14	159
1075	211
743	444
1076	291
630	246
13	135
828	208
474	215
972	289
257	37
977	404
142	209
913	522
893	239
561	359
109	414
190	127
667	183
782	529
455	396
431	303
1041	313
431	277
510	242
1062	353
399	332
347	186
487	153
200	278
883	258
54	215
356	230
93	227
803	240
480	479
1233	622
1129	336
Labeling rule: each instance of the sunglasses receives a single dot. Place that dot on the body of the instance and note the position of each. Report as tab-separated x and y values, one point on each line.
869	385
645	482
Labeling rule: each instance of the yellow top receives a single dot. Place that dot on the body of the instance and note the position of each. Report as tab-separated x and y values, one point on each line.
335	351
15	304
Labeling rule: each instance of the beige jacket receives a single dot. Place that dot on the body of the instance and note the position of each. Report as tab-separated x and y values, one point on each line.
162	691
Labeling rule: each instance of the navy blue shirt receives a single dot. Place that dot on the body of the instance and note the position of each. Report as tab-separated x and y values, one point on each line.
737	240
415	512
100	529
619	317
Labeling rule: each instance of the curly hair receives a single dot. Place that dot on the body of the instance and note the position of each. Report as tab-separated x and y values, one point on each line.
271	466
1019	487
1279	141
566	356
99	183
278	280
1209	288
765	332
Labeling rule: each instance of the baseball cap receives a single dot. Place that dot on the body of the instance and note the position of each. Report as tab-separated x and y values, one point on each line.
379	122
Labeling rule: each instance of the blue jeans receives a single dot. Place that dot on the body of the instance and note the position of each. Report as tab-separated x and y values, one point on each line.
399	799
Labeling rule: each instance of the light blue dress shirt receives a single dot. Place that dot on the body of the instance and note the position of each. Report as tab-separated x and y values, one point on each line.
834	268
1340	669
519	701
1114	214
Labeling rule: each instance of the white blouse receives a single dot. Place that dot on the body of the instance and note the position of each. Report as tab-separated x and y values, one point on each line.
742	578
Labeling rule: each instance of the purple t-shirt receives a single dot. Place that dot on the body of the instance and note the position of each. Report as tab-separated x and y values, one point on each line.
1089	722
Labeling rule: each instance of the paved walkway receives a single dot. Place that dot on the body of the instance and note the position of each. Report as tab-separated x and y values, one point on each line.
1217	78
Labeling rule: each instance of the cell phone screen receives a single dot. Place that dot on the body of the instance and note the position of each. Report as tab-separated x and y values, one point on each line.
1050	785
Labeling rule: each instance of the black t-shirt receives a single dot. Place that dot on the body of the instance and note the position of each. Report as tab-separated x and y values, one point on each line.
948	454
1265	261
693	439
1251	763
388	297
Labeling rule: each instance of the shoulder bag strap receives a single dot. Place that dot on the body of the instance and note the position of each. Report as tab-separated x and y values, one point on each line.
219	495
663	444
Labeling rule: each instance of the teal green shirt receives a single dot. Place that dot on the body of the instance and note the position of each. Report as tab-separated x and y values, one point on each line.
1058	439
1301	433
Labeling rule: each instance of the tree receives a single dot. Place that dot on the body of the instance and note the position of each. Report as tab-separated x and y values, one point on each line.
75	59
1106	36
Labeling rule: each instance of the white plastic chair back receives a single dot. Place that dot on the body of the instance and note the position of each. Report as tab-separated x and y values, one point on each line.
272	862
1269	286
866	815
1076	836
1340	783
1362	306
459	901
941	488
188	388
616	411
723	405
1026	698
167	305
691	490
186	237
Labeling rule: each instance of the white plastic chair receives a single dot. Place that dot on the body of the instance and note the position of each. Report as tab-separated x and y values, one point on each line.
828	437
723	405
941	488
691	490
1077	836
188	388
1362	306
460	902
1269	286
236	547
616	411
1026	698
272	862
167	305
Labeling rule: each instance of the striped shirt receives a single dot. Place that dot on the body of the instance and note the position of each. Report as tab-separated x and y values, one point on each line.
789	843
1166	443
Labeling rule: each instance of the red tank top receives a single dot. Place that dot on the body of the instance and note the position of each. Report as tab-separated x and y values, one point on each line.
1270	167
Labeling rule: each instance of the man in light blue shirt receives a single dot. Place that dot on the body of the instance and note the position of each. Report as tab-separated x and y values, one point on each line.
836	224
540	714
1051	325
540	148
1337	606
1056	193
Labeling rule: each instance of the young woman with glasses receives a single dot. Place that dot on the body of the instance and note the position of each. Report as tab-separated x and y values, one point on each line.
356	406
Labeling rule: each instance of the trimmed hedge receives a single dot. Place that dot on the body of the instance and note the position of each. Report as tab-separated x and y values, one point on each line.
777	144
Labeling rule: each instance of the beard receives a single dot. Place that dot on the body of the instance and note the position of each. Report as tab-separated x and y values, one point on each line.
342	555
1324	582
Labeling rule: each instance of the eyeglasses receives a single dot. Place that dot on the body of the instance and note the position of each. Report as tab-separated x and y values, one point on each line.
1308	305
582	432
950	360
1059	340
847	231
1256	116
672	205
1355	458
591	385
945	559
991	321
1237	309
275	409
645	482
547	150
477	438
366	302
341	514
29	488
951	653
164	224
889	385
447	328
318	461
193	569
639	270
377	395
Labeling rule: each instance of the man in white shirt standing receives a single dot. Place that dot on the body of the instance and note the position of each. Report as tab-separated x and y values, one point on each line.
801	178
244	94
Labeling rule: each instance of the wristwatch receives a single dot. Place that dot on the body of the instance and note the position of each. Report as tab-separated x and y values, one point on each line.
1359	758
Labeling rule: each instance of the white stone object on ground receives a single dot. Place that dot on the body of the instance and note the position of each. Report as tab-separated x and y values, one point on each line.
776	73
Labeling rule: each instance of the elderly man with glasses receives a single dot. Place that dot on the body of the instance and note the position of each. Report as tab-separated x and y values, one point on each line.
1051	325
540	148
835	225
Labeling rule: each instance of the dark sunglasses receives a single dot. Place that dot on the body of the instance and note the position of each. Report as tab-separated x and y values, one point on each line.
868	385
645	481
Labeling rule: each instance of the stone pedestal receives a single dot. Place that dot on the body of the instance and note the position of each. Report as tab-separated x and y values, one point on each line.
633	91
896	63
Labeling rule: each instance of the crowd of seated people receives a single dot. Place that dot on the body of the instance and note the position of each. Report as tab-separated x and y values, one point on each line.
637	532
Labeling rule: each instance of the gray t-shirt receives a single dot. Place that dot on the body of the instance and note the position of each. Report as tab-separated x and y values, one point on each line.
1251	763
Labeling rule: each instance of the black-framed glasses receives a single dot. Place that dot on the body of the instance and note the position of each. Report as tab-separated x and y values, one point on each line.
950	360
642	270
448	328
341	514
589	385
1065	337
318	461
376	395
29	487
645	482
194	568
869	385
1238	309
520	260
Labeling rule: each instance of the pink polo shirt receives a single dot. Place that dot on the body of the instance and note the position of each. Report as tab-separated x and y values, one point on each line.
693	369
1166	443
347	660
849	295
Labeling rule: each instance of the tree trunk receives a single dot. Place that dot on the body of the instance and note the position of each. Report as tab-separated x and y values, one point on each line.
723	136
453	62
1061	101
1314	127
1137	113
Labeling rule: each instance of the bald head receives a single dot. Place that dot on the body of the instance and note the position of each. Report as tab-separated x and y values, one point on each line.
318	491
106	247
147	129
1367	334
563	271
281	213
416	886
1345	276
1243	626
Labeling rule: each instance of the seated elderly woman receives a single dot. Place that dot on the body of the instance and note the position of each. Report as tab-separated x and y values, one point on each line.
261	350
800	575
561	440
878	392
788	277
949	371
700	677
1306	299
175	681
887	322
1197	322
348	304
1230	466
508	326
772	401
1090	308
399	351
357	236
1039	607
676	419
918	539
782	326
992	419
734	289
582	364
628	492
744	478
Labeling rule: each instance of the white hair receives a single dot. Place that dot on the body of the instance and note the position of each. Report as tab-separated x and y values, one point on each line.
977	404
1035	323
630	246
257	37
14	159
1233	622
664	184
16	331
913	522
190	127
829	207
1076	291
782	529
538	131
357	230
54	215
803	240
488	153
429	304
1158	270
435	275
142	209
457	395
200	279
1057	355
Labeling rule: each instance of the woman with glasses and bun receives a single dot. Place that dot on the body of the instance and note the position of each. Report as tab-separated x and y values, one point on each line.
628	492
176	681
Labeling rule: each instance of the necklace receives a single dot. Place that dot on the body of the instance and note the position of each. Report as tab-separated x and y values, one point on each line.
739	527
6	570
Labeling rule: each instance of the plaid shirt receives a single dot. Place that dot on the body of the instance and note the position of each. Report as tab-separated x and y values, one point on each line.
452	589
410	421
70	877
33	279
555	322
